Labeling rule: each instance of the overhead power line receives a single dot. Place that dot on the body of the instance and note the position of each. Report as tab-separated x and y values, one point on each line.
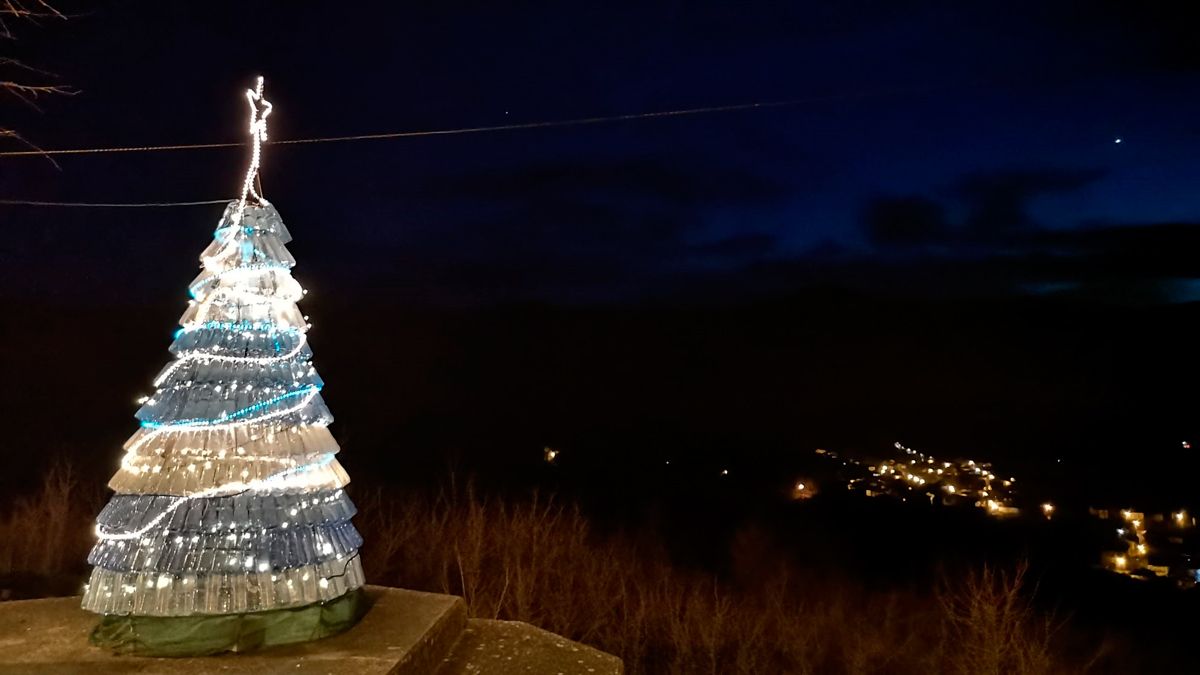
411	134
377	136
31	202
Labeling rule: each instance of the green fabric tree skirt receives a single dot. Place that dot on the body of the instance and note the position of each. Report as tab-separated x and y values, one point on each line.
213	634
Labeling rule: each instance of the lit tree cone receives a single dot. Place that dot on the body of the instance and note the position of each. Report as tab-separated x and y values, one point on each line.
230	529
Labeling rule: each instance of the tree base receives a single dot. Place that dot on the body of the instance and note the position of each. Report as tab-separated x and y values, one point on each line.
213	634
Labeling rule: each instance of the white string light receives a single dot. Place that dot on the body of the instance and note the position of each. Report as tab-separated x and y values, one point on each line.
284	292
309	394
225	490
219	274
155	431
258	132
204	356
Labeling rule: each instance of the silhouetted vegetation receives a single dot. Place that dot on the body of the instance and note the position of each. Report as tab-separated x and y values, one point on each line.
540	561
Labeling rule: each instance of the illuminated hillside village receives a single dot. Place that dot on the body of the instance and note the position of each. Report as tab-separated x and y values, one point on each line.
1142	546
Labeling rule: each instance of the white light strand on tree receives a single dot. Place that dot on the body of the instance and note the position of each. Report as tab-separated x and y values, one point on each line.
184	357
222	490
258	132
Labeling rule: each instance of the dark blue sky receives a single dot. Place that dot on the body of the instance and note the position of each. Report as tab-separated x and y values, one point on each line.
938	149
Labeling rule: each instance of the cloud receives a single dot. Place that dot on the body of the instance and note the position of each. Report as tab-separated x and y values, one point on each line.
996	205
572	230
998	249
737	247
905	221
680	181
1137	263
997	201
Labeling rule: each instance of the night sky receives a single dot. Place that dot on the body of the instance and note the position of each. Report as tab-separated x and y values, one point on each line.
949	169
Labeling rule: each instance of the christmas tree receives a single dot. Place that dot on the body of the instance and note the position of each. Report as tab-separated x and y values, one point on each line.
230	528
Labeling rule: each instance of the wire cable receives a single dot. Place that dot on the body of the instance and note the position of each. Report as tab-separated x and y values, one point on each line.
413	134
31	202
372	137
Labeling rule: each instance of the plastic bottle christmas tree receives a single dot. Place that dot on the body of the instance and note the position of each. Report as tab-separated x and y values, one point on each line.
230	528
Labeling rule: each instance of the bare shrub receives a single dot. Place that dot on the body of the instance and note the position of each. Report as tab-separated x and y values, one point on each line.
539	561
47	534
993	627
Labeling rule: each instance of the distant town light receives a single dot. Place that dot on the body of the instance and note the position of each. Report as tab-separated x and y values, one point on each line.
1047	509
1141	549
1120	561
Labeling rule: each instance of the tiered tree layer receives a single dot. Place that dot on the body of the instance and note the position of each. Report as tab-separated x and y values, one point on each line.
229	499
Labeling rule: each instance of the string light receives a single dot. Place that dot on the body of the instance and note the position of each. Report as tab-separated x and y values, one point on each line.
258	136
224	421
225	490
184	357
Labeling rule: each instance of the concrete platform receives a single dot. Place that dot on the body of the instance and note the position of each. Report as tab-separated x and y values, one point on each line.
516	648
403	633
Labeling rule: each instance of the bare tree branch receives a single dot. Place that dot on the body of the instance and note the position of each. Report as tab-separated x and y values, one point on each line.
25	91
9	133
41	9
